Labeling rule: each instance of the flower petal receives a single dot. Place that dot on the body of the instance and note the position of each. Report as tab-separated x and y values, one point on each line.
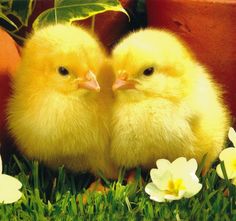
228	154
179	167
154	192
230	170
155	174
179	162
9	182
192	189
234	181
219	171
186	167
9	189
150	188
10	196
194	177
163	164
160	178
232	136
192	165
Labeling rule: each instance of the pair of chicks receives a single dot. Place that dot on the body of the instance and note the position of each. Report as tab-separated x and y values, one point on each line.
73	106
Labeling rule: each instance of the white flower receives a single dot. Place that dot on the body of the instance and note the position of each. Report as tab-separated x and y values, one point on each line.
9	187
173	181
228	155
232	136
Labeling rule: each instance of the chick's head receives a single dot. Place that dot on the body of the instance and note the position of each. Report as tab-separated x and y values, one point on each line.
64	58
152	63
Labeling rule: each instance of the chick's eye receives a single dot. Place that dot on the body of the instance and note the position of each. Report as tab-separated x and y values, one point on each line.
63	71
148	71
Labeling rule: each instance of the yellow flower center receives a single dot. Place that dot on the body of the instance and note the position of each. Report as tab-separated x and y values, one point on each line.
174	186
234	165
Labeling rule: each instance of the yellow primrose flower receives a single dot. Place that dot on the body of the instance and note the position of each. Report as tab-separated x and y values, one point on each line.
234	181
9	188
173	181
228	155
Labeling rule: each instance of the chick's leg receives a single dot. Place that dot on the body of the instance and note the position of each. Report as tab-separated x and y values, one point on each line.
131	176
96	186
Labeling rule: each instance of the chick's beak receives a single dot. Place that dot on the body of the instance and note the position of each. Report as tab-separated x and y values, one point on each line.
90	82
122	83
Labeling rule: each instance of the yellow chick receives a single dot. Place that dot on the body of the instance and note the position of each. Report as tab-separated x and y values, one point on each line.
54	114
166	103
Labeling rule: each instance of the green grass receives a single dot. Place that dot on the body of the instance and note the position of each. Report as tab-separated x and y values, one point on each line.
49	195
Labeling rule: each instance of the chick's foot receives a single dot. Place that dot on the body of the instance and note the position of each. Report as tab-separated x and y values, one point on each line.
96	186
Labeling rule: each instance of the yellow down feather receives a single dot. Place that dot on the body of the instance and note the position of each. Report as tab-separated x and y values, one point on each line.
174	110
51	117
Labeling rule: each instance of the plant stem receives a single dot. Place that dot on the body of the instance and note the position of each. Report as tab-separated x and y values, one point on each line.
55	10
93	23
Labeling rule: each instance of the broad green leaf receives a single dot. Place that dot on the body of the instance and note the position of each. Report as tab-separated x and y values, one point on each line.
67	11
22	10
4	17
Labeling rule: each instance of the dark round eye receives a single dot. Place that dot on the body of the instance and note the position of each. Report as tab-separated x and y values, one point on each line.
148	71
63	71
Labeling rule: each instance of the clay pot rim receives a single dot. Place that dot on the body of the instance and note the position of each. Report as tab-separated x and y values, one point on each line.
208	1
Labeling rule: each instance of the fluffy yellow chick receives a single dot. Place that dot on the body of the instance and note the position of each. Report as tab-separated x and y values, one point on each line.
54	114
166	103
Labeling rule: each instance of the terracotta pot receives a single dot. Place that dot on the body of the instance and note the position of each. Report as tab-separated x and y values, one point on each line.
9	59
208	26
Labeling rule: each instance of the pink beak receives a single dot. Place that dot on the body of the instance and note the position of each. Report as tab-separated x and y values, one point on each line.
90	82
122	83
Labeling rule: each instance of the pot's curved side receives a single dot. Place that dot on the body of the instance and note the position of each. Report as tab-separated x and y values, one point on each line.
9	59
209	29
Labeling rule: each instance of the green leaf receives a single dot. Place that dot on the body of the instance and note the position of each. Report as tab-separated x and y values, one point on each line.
5	18
201	165
22	10
67	11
